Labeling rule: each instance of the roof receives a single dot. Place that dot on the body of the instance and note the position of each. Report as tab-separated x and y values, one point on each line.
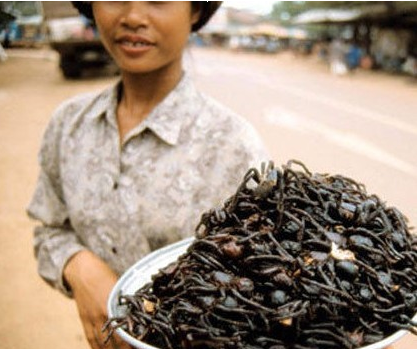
398	14
30	20
325	16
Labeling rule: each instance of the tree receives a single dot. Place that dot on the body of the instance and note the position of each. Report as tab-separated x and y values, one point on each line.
20	8
5	17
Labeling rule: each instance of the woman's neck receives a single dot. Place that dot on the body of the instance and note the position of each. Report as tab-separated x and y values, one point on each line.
141	93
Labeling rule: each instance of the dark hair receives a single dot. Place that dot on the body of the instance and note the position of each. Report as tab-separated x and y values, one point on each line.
206	9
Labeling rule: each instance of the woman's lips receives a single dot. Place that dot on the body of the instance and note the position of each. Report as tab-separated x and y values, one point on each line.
132	44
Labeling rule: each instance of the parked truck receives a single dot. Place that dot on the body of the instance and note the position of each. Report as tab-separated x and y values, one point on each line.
74	37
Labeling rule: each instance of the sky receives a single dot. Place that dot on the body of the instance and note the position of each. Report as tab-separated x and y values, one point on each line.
258	6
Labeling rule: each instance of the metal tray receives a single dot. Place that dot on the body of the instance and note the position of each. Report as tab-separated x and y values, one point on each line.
140	273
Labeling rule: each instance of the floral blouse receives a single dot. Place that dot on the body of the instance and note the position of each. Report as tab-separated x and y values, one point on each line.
123	200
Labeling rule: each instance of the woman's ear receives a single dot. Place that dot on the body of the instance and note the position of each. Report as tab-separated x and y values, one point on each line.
195	15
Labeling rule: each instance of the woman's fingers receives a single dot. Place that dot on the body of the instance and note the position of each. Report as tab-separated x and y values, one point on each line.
94	336
91	281
117	343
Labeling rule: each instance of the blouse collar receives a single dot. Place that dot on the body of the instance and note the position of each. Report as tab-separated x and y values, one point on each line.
165	120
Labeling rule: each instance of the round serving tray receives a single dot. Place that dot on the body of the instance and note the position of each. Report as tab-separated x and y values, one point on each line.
140	274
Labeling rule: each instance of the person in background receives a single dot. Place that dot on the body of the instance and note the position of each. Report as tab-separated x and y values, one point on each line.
354	56
337	56
132	168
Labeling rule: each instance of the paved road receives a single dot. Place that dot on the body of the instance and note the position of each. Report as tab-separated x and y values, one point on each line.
362	125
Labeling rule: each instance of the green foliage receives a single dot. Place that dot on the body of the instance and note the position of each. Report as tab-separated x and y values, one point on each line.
20	8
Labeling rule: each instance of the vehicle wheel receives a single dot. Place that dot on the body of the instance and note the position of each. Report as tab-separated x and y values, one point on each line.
70	66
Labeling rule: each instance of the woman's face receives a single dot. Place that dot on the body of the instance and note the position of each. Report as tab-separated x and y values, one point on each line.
144	36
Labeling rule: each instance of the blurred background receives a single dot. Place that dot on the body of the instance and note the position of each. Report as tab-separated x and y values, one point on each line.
333	84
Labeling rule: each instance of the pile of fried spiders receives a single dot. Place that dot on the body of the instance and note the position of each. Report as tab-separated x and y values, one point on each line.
293	260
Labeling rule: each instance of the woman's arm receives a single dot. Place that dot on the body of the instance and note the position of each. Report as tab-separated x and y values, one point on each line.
55	240
63	261
66	264
91	281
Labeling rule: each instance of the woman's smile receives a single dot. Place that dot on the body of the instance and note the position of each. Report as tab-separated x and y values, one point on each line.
134	44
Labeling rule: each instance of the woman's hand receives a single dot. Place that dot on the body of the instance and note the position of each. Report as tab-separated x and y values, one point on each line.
91	281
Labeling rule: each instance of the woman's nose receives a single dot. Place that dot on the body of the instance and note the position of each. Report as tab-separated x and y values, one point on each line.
135	14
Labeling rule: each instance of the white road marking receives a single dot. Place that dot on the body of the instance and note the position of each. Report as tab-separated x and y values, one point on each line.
259	78
351	108
347	140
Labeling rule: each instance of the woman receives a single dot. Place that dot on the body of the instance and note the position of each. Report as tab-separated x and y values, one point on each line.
132	168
